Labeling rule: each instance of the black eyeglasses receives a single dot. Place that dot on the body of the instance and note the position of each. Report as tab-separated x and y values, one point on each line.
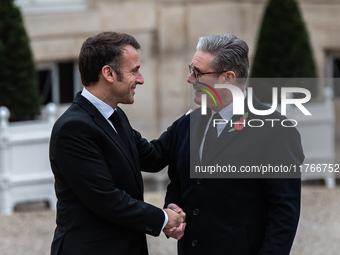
197	74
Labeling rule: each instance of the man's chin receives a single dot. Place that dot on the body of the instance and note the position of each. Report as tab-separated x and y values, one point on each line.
128	101
197	100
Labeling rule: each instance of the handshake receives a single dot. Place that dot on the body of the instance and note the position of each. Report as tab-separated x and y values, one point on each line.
176	222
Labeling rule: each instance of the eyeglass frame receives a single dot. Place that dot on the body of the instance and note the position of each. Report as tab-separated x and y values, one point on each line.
197	74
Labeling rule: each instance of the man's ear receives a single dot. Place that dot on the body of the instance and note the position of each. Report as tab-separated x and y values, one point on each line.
108	73
230	77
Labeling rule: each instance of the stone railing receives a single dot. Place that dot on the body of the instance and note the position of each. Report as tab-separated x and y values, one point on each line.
25	173
318	141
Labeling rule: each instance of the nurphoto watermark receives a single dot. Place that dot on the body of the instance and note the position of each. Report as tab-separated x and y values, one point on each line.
251	141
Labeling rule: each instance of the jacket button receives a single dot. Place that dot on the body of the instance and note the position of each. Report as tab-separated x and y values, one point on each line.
199	181
194	243
196	211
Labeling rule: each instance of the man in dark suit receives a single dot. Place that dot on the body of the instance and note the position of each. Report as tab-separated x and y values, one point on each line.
96	158
234	213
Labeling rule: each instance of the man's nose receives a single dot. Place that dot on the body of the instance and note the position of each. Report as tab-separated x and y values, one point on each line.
140	78
191	78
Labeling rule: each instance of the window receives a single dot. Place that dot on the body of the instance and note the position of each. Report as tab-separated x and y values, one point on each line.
58	82
45	85
336	74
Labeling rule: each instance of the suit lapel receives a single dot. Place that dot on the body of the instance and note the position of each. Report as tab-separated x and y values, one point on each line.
133	153
225	138
103	123
126	125
197	127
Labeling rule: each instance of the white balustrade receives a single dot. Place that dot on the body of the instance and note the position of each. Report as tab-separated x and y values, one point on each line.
318	141
25	173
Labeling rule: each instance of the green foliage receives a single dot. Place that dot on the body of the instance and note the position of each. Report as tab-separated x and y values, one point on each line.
18	82
283	49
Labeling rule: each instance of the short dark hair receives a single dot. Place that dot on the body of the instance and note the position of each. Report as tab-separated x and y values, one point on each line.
100	50
230	53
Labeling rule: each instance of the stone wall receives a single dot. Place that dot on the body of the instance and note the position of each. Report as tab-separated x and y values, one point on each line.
168	31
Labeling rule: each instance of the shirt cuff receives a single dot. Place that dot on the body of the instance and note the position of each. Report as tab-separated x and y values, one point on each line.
165	220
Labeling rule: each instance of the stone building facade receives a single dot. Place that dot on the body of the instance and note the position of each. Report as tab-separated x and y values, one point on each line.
168	31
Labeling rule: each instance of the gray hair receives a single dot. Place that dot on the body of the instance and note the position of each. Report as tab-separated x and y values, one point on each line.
229	54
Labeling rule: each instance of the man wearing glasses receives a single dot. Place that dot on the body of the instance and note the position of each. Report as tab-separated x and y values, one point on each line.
235	214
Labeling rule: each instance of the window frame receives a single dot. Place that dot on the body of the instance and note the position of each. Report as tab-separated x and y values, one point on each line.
54	69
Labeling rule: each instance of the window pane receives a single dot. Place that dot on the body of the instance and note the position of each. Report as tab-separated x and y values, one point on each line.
45	85
336	74
66	82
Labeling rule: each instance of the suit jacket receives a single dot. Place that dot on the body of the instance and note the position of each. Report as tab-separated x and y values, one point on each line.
244	216
100	208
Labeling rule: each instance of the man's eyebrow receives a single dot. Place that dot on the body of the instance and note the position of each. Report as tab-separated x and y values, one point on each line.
135	68
196	69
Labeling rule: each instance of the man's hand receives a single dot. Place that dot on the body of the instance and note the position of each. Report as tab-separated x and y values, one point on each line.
173	229
175	232
175	218
175	208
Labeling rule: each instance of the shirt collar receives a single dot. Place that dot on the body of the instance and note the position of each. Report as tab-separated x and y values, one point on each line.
102	107
227	112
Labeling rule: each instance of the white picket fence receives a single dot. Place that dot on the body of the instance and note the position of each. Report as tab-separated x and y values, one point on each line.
26	176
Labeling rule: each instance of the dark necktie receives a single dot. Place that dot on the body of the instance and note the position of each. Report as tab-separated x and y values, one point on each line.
211	136
117	123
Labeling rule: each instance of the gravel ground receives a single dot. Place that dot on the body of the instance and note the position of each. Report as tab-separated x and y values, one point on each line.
30	231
